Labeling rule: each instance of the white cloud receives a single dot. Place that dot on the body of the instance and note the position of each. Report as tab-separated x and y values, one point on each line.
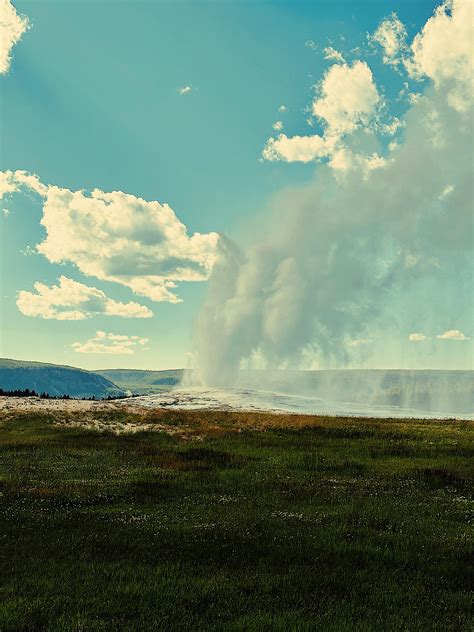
345	159
185	90
359	342
283	108
311	44
392	127
442	51
374	161
347	100
12	27
278	126
414	97
115	344
416	337
391	36
119	237
5	212
411	260
333	54
448	189
297	148
13	181
28	251
71	300
452	334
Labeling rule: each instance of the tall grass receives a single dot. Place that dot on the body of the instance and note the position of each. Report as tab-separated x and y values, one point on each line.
228	521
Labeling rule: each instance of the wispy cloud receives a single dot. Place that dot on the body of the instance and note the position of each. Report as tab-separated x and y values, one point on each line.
185	89
359	342
332	54
391	37
448	189
116	344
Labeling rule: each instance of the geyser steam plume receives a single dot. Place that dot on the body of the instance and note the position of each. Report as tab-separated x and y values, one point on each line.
335	250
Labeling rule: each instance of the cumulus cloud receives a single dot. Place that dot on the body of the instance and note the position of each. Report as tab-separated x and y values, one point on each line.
12	27
347	100
297	148
391	36
452	334
282	108
442	52
332	54
115	344
71	300
416	337
118	237
277	126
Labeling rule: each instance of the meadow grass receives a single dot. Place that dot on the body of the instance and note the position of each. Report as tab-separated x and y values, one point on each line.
235	521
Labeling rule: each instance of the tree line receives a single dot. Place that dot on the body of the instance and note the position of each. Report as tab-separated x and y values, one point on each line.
27	392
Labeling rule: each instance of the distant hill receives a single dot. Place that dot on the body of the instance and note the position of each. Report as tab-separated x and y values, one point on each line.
55	379
442	391
141	382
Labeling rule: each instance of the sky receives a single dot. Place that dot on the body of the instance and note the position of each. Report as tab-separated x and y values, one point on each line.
140	141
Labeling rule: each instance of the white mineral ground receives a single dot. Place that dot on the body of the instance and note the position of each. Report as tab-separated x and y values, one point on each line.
194	398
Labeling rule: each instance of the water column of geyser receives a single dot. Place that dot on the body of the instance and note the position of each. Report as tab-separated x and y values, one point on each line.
334	250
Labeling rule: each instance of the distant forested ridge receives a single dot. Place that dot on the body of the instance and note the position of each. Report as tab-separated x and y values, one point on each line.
54	380
430	390
143	382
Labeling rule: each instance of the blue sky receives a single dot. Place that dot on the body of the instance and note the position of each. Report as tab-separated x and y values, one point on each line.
92	100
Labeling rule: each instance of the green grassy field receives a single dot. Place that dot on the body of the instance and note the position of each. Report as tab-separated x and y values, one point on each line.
236	522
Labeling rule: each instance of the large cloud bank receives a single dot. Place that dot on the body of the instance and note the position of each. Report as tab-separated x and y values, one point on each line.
118	237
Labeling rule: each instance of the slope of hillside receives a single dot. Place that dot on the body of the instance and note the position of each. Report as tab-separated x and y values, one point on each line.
54	379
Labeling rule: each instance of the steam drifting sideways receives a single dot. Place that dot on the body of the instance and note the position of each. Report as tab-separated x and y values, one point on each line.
340	253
